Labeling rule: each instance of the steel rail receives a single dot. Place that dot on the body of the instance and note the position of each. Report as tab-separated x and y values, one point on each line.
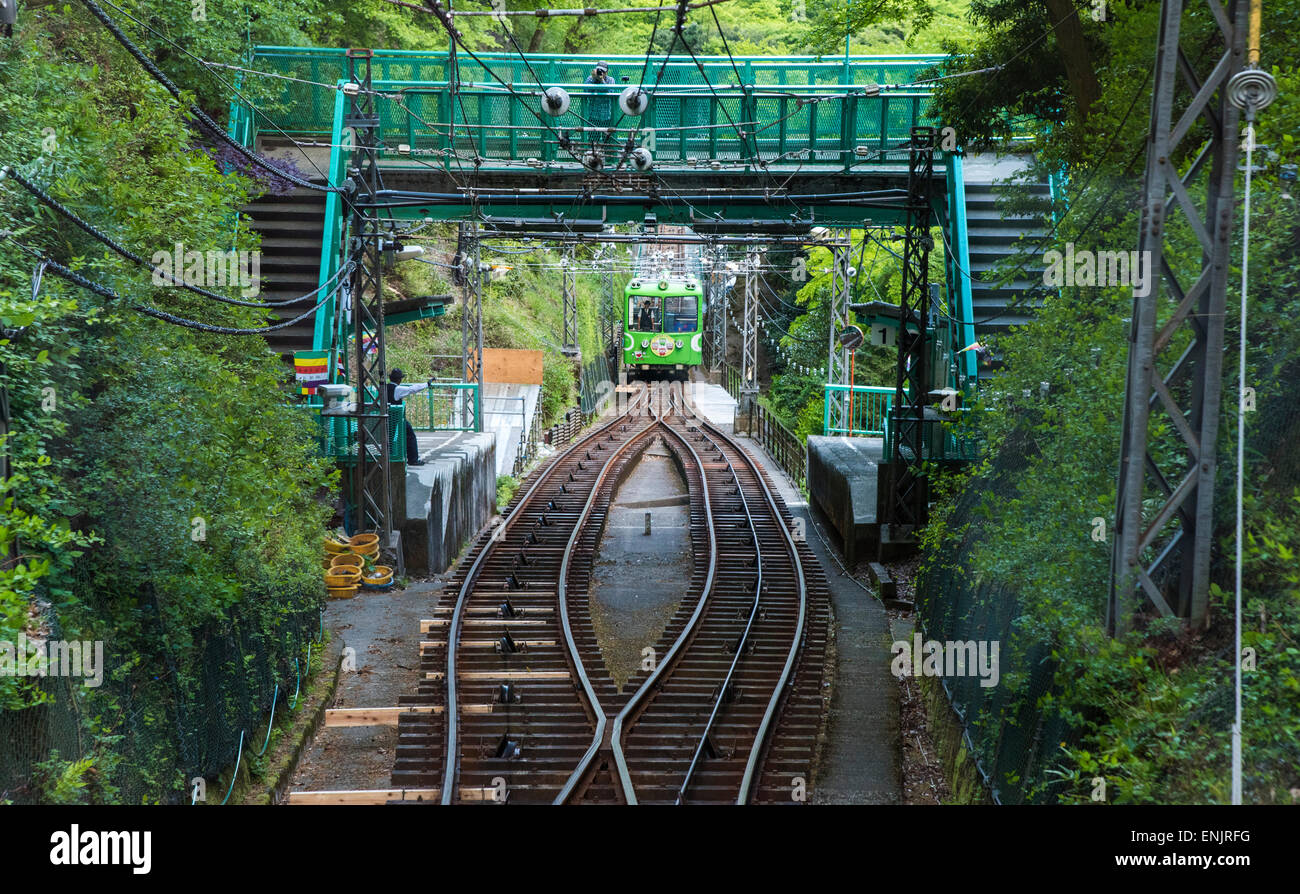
795	642
744	637
562	589
452	744
620	760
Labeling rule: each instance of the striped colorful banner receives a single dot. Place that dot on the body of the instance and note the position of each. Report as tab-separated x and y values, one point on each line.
311	368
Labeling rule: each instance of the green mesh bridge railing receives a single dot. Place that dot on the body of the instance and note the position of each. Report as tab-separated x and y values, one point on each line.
787	111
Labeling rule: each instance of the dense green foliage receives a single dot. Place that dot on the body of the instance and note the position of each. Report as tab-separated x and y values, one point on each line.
1152	710
163	485
166	497
752	27
520	310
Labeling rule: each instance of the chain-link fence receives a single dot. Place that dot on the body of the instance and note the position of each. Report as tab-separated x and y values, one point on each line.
1011	741
1016	730
164	714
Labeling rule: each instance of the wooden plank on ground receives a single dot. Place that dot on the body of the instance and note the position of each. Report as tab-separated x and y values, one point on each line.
375	796
374	716
514	675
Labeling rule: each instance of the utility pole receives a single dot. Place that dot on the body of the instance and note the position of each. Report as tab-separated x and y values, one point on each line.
749	352
837	357
609	311
371	494
1164	507
717	311
909	498
471	321
569	337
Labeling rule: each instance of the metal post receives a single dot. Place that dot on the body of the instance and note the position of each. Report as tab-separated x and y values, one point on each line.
1162	545
909	502
717	312
749	352
569	337
471	323
372	496
837	360
609	312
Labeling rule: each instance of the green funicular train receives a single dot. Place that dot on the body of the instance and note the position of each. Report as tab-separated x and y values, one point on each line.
663	314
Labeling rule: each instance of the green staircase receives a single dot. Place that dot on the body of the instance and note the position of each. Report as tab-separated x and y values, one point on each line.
291	227
991	240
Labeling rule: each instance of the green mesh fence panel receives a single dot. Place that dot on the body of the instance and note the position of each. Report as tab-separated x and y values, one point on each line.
301	100
161	716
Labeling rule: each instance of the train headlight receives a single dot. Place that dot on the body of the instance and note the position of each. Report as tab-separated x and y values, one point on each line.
679	344
645	342
663	283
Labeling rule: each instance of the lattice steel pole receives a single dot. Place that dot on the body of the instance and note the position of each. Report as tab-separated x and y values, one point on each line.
717	312
569	342
749	349
837	359
371	494
1164	510
609	311
908	503
471	322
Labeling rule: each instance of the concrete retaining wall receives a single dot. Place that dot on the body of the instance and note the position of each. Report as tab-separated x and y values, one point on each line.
843	482
447	502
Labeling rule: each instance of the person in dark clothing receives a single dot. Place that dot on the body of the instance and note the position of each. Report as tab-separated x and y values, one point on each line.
397	392
645	318
600	109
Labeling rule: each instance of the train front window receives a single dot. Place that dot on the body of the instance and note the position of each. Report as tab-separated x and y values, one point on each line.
643	314
681	314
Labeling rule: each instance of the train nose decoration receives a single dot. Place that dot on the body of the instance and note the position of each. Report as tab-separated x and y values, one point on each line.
661	346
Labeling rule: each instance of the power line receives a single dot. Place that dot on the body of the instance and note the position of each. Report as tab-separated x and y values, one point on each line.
89	228
105	292
200	115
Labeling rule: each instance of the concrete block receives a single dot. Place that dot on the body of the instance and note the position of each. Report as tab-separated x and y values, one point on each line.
448	501
843	481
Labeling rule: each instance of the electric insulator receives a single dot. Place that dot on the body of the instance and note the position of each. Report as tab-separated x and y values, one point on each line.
555	101
641	159
634	101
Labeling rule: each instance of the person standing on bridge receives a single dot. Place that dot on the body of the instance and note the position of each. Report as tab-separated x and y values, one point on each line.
600	109
397	392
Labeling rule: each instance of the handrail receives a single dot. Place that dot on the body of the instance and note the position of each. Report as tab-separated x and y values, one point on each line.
877	401
959	270
328	330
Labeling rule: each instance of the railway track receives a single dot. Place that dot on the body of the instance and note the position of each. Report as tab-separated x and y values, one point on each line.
516	702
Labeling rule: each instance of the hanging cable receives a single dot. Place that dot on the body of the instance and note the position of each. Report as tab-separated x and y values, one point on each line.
105	292
199	115
89	228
